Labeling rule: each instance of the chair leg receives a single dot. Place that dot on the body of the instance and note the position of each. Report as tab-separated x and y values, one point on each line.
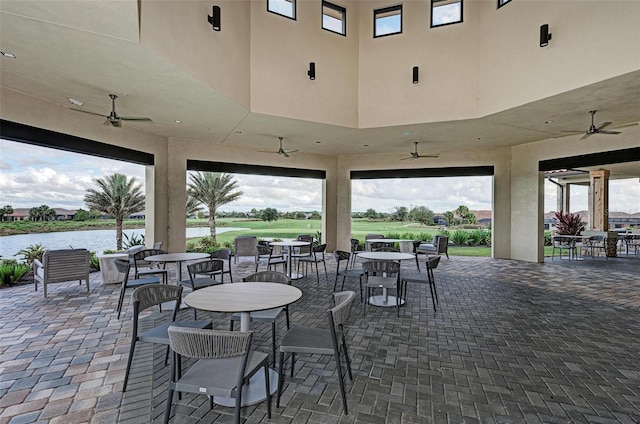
268	387
341	381
293	360
121	300
273	341
317	274
346	357
167	409
129	361
280	378
286	314
417	263
238	404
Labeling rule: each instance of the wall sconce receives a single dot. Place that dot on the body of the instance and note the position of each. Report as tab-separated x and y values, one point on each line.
214	19
312	71
415	74
545	35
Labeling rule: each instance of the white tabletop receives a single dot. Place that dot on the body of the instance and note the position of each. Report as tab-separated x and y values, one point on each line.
386	240
176	257
243	297
292	243
385	256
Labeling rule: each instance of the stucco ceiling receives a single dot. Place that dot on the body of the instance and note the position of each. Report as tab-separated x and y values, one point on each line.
86	50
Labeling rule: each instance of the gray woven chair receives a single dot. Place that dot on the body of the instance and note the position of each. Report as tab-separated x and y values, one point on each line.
224	254
202	274
124	267
244	246
269	315
330	341
224	365
596	244
59	266
431	264
341	255
145	268
144	298
317	256
266	257
439	246
382	275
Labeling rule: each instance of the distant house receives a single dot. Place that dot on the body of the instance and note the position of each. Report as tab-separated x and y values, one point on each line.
22	214
138	215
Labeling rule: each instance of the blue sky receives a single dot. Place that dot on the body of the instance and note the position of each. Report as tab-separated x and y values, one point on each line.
33	176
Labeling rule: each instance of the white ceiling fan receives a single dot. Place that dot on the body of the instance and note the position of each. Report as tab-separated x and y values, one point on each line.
113	118
280	151
416	155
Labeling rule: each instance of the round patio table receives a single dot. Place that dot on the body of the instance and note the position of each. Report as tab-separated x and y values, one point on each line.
291	244
178	258
384	299
245	298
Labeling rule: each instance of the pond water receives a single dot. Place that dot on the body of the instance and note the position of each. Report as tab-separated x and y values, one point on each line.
94	240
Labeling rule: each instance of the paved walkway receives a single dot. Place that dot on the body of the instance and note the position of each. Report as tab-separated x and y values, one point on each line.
511	342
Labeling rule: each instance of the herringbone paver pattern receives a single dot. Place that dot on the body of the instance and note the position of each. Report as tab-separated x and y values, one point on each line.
511	342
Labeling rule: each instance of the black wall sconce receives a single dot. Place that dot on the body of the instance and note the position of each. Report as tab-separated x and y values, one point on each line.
214	19
545	35
312	71
415	74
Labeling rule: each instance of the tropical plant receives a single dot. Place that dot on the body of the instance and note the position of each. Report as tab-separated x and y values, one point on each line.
94	262
134	240
5	210
213	189
477	237
459	237
117	196
449	217
32	252
548	238
41	213
193	206
569	223
11	271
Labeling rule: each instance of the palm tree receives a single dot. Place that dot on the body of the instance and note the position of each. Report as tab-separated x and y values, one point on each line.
118	197
193	205
213	189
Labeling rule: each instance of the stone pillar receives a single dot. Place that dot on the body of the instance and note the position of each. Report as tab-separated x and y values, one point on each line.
599	200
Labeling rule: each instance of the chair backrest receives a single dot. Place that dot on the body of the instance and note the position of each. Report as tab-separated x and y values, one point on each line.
245	245
341	255
150	295
318	251
305	249
157	245
384	248
263	250
443	244
221	254
269	277
433	261
204	343
355	245
561	241
375	267
210	265
65	265
123	267
339	314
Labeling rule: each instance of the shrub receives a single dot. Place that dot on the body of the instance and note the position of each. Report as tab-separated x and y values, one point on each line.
548	238
32	252
459	237
94	262
11	271
476	237
134	240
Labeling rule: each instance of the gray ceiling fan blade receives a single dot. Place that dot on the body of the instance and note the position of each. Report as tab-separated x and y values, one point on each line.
90	113
585	136
609	132
603	125
627	125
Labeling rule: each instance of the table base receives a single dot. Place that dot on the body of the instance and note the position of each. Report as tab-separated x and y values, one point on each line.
384	301
294	276
253	392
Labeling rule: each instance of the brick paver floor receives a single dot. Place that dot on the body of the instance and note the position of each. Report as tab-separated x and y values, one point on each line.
511	342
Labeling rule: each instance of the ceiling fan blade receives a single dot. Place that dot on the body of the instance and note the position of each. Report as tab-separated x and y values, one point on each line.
627	125
283	153
585	136
291	150
609	132
410	157
90	113
266	151
603	125
573	131
429	156
135	118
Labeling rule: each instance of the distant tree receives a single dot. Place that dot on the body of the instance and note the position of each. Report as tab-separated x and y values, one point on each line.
400	214
42	213
269	214
422	215
315	215
466	216
371	214
213	189
117	196
449	217
4	211
301	215
81	215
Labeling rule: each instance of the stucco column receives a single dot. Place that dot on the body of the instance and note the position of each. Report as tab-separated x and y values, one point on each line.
341	180
156	200
501	210
599	200
176	198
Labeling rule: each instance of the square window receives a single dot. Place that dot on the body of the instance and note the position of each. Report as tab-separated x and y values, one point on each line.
445	12
282	7
334	18
387	21
502	3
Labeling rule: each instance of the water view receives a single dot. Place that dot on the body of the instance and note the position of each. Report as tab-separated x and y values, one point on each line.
95	240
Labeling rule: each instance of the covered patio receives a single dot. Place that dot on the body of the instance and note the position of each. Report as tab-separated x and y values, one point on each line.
511	341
